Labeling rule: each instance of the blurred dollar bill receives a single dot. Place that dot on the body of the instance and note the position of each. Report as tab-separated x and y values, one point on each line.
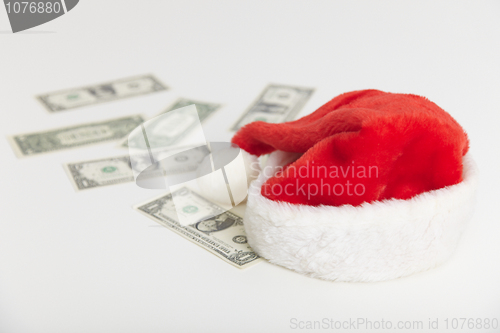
213	228
99	93
276	104
173	129
73	136
118	170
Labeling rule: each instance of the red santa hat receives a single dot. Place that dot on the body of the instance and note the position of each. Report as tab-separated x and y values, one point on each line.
371	186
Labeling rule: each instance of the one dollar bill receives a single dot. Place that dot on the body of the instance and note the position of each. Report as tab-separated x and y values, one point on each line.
99	93
118	170
276	104
73	136
172	128
222	233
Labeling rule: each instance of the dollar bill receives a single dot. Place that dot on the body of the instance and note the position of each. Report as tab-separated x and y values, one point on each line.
222	233
276	104
170	128
73	136
118	170
99	93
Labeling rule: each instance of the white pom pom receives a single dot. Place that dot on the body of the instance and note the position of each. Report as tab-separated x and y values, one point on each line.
239	172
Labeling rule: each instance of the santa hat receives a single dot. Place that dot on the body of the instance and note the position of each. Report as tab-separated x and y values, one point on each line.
371	186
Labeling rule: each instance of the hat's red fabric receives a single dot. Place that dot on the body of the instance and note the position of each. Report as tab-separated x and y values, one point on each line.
409	144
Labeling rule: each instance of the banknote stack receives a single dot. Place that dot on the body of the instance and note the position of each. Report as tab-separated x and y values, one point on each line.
212	227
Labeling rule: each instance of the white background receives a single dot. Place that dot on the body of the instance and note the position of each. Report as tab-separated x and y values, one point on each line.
87	262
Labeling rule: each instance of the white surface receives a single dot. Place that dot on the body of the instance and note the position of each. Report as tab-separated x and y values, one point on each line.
86	262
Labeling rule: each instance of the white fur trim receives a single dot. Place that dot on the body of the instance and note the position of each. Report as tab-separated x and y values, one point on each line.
371	242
